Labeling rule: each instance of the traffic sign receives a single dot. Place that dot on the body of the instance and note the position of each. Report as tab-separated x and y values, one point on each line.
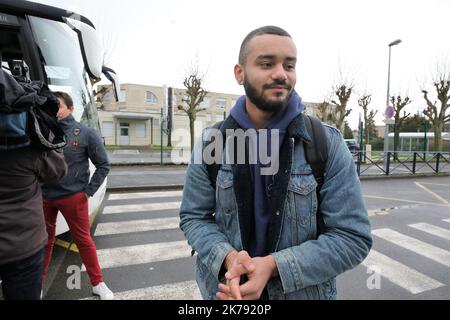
389	112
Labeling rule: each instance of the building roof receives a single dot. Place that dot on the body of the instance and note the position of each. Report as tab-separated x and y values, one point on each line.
135	115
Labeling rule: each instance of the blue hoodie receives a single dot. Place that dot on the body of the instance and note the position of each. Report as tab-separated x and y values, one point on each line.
262	183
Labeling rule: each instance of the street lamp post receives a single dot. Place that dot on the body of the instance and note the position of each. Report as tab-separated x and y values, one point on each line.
161	138
386	127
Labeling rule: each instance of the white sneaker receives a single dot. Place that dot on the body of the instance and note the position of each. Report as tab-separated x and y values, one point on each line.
103	291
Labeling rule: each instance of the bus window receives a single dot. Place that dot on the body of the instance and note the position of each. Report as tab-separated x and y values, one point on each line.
63	64
10	48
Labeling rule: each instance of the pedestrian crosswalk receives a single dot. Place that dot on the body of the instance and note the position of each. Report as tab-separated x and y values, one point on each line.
433	230
187	290
158	212
400	274
148	223
146	207
110	228
419	247
145	253
404	276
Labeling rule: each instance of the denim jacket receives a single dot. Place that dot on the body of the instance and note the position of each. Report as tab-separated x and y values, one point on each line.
217	221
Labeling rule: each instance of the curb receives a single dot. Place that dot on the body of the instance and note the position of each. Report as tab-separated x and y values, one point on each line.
149	164
405	176
145	188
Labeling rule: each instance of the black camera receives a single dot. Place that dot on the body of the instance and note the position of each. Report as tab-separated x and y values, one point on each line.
20	71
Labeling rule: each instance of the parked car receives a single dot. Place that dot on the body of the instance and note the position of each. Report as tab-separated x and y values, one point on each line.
352	146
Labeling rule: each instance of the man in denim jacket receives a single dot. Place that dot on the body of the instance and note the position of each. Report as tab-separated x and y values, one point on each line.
256	234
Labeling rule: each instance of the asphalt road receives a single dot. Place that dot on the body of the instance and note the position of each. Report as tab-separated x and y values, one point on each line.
145	256
410	257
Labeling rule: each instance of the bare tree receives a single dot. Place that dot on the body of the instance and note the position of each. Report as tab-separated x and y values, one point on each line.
437	112
324	113
371	129
194	95
398	104
99	95
364	102
343	92
369	116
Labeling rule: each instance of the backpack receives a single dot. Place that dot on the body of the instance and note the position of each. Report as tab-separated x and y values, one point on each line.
28	115
316	153
13	127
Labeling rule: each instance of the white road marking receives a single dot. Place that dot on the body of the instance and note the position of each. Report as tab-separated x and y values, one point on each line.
142	207
399	274
404	200
144	195
110	228
128	152
187	290
436	184
433	230
424	249
140	254
434	194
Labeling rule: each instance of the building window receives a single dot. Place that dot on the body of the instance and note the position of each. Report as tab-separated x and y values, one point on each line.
221	103
107	129
151	98
140	130
122	96
206	103
108	97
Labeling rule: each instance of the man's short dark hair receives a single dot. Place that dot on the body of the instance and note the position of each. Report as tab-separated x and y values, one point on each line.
65	97
259	32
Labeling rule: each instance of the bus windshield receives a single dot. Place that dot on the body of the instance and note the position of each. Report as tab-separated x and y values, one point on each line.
64	68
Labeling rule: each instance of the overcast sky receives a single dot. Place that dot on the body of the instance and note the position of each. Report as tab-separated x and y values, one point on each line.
153	42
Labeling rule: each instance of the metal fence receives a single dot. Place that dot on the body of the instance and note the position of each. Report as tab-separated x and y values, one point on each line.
401	163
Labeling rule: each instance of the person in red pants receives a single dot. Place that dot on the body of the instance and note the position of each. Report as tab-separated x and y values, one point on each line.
70	195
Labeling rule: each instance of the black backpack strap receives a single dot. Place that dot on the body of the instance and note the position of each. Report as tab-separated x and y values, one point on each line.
213	169
316	153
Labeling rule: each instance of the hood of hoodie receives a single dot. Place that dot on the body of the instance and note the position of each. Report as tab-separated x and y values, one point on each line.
279	120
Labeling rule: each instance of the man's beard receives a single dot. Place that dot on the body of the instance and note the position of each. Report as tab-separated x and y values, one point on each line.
261	102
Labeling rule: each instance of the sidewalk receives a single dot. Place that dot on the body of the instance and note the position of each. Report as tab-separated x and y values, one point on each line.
135	169
142	156
153	177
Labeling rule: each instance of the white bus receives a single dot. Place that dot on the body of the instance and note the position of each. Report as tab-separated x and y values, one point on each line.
62	49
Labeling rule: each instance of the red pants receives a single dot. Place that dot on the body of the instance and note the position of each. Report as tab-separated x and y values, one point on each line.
75	211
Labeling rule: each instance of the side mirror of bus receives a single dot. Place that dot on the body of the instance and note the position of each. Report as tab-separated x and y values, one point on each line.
91	46
111	75
92	52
